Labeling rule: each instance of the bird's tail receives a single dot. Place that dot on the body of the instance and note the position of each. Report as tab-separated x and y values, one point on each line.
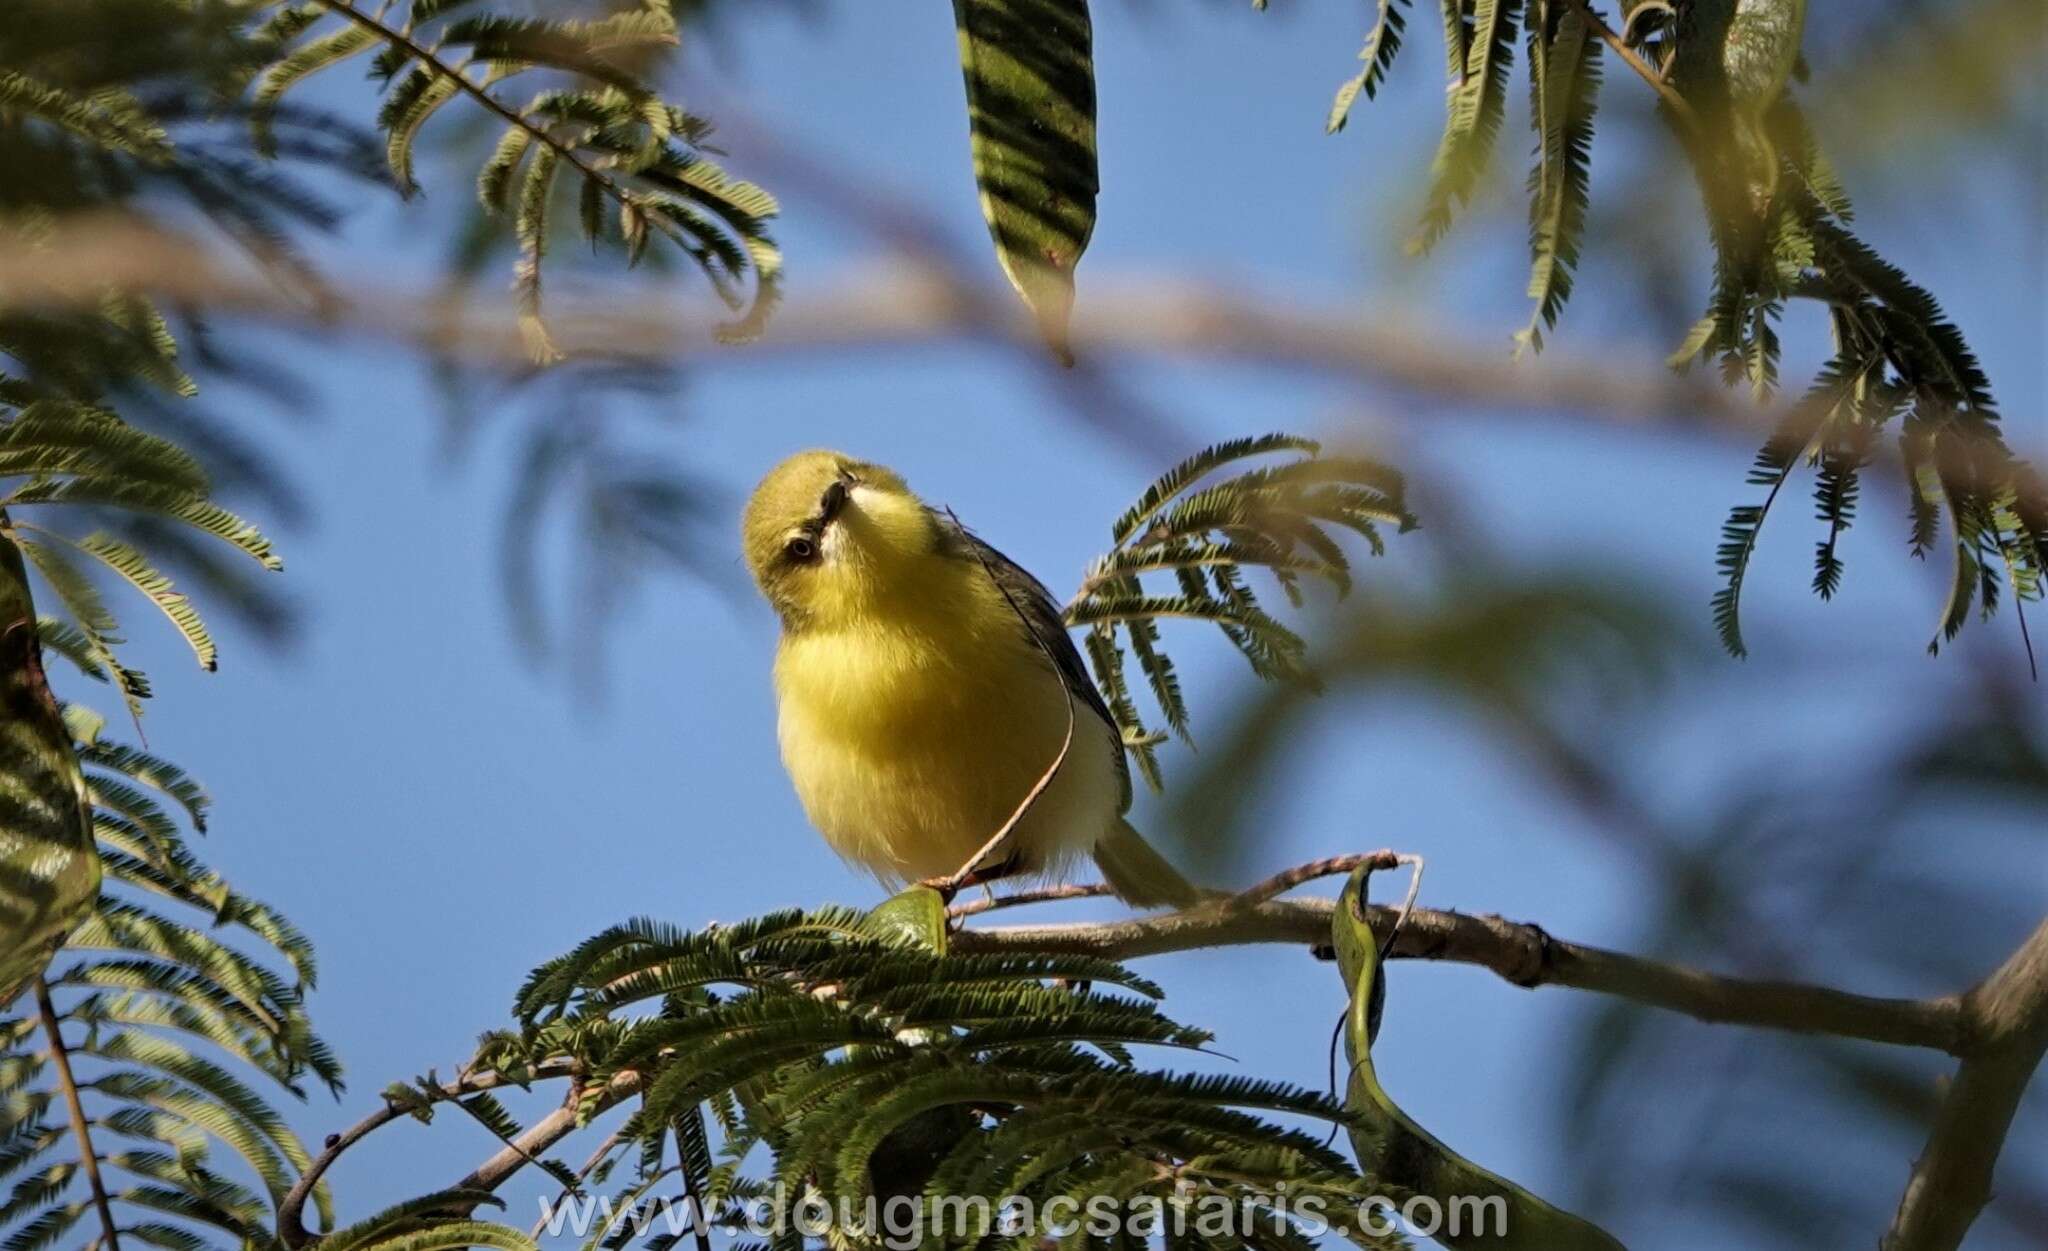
1140	876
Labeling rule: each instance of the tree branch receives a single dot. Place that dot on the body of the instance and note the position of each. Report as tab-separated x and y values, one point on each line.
291	1228
489	1175
544	1133
88	1156
1302	874
1999	1029
910	304
1521	954
2004	1022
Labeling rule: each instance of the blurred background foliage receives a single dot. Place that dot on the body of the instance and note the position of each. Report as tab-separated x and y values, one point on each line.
1902	853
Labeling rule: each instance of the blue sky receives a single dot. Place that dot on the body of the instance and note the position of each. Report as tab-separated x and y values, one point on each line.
440	815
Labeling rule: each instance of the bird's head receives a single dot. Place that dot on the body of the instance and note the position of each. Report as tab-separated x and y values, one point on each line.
829	538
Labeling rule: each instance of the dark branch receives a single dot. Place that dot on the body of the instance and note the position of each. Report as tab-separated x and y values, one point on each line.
2004	1023
291	1228
80	1126
543	1134
1999	1029
1521	954
911	305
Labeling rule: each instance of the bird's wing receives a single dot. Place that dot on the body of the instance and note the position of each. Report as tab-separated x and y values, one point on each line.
1041	613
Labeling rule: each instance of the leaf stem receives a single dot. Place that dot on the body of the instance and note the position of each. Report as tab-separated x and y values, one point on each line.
1643	69
432	60
697	1214
79	1125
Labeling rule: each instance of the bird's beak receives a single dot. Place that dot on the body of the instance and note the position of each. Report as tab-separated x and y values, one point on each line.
833	502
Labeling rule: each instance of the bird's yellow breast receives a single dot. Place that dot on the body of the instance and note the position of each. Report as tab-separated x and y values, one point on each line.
912	736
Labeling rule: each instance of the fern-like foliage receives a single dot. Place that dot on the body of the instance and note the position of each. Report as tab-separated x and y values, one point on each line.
1899	365
805	1056
1207	532
596	140
592	466
426	1224
133	107
155	1014
137	115
1483	53
66	453
1781	226
1564	85
1382	44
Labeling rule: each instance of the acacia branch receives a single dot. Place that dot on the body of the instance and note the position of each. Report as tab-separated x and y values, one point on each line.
88	1156
2004	1023
1999	1029
1302	874
913	303
487	1176
546	1132
1521	954
291	1227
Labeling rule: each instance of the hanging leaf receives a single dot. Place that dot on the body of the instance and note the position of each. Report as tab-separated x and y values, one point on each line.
97	627
1031	113
1760	50
1482	53
1395	1149
154	583
1564	67
1381	46
599	123
49	874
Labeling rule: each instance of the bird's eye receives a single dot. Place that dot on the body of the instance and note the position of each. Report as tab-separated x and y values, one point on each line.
800	549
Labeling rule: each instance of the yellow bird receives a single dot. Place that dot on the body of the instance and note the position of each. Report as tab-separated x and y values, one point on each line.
926	684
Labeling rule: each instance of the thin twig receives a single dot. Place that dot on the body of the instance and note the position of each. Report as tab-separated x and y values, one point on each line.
1330	866
291	1228
548	1131
1251	897
1046	894
1414	862
430	60
81	1127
